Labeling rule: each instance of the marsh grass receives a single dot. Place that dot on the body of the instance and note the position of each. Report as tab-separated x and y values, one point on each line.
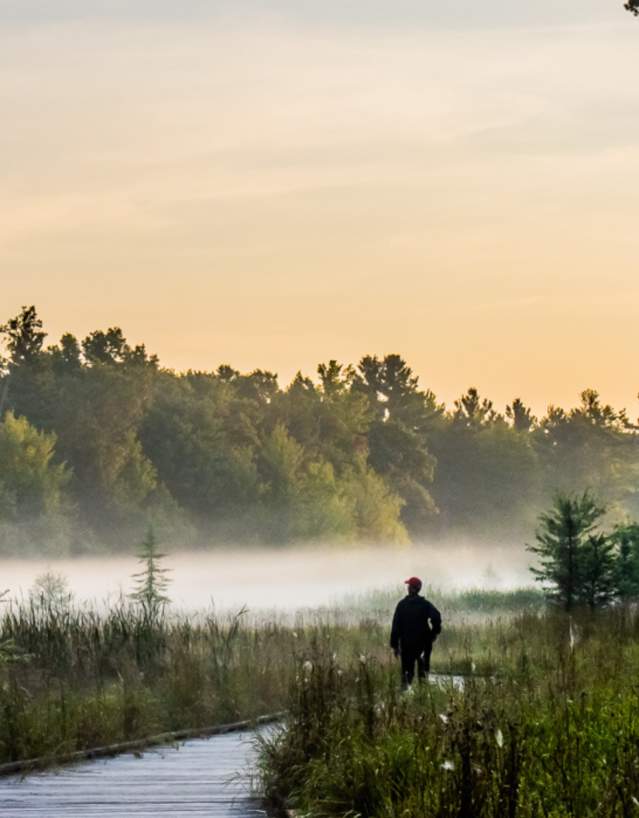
74	677
553	732
465	602
77	678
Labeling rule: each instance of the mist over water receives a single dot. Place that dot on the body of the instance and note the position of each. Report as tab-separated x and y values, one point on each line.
283	579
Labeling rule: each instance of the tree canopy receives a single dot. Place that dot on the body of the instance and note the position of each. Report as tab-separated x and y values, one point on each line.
99	441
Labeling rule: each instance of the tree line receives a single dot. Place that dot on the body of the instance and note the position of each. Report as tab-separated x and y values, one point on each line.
98	440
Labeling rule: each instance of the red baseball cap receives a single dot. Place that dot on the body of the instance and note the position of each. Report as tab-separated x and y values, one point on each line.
413	582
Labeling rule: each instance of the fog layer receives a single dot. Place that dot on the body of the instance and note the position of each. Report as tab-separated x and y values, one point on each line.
283	580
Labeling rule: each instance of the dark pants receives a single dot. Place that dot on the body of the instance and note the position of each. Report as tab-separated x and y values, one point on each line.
409	657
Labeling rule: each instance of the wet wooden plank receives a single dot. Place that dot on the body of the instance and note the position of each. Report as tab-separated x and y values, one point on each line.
203	777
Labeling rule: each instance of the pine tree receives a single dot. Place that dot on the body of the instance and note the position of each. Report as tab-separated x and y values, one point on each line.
24	336
152	582
561	547
598	580
626	538
520	416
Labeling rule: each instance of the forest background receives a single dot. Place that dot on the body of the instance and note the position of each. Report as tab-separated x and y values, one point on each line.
98	440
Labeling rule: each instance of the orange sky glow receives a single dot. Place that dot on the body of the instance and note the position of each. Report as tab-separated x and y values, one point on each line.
274	190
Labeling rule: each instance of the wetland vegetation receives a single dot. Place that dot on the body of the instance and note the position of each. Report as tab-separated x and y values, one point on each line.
546	724
73	677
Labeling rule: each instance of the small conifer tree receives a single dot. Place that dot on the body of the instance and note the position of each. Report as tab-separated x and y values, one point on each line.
152	581
562	548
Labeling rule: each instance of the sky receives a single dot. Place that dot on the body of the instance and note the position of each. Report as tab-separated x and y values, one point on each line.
273	184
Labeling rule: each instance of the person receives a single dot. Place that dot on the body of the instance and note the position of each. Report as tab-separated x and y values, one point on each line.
416	625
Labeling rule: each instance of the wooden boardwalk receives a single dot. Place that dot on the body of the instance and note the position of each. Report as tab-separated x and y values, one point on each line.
204	777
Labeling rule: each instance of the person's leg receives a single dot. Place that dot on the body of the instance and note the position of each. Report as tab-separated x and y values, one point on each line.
422	666
426	659
408	668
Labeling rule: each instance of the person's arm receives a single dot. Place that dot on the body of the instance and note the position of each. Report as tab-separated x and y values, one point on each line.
435	622
394	638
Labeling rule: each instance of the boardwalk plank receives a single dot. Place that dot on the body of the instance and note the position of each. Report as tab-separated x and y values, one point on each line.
203	777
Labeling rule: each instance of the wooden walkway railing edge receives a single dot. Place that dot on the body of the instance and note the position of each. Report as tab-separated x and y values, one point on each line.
32	764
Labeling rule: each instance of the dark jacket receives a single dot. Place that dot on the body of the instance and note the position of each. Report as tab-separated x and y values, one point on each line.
416	624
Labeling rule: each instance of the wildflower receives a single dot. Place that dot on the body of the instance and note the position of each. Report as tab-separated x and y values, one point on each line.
448	765
362	659
473	667
572	635
444	718
308	667
499	737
